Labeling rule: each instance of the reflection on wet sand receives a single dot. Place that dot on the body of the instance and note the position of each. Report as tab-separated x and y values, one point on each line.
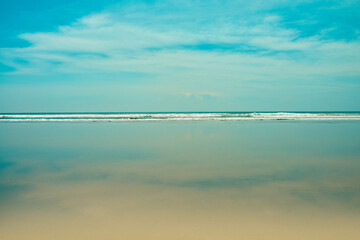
208	180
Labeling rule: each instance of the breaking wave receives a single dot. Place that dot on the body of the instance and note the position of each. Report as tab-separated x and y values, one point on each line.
215	116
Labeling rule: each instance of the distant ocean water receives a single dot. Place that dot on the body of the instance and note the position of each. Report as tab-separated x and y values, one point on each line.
176	116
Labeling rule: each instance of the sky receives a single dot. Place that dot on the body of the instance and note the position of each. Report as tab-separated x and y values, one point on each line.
179	55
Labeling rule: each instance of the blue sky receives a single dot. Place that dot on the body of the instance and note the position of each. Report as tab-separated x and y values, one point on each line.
179	55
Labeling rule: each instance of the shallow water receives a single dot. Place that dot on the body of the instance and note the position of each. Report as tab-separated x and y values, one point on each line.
180	180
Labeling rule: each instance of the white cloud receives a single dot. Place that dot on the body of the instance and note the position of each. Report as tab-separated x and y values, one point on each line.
202	94
107	43
95	21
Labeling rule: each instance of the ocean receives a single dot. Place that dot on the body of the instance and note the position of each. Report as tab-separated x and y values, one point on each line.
237	175
178	116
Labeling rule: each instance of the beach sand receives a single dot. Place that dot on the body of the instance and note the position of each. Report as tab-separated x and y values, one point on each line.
194	180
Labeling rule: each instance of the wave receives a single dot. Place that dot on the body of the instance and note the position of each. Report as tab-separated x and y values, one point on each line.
216	116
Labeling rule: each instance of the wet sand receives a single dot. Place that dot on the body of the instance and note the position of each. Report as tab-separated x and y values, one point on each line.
194	180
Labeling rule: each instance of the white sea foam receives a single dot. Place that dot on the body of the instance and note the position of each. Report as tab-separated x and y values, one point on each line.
230	116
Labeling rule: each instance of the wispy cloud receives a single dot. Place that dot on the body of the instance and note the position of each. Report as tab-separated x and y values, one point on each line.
202	95
191	48
102	43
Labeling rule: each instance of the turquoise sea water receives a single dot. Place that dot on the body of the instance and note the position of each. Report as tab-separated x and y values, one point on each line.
180	180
